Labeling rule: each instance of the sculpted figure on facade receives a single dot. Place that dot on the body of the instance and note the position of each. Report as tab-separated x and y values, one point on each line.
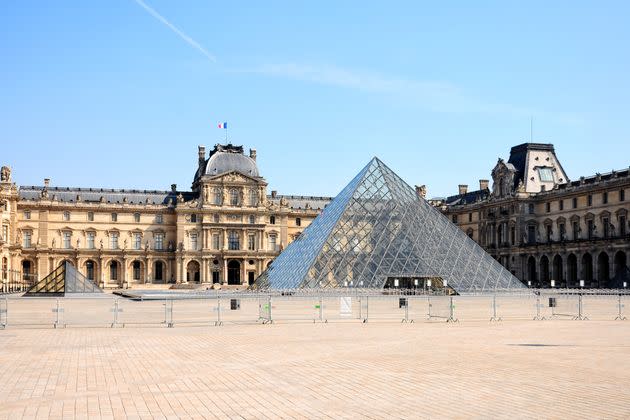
5	174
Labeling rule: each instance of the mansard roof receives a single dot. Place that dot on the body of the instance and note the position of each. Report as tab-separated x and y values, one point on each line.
97	195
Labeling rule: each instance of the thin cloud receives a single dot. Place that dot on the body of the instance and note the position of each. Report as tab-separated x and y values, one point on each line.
433	95
172	27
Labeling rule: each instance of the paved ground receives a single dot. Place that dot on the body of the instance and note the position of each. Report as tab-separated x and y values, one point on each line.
515	369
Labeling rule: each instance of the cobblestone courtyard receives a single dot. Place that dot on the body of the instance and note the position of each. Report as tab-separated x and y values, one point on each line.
516	369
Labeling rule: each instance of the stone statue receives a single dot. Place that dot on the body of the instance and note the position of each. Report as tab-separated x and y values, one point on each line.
206	195
100	244
18	237
181	246
521	186
180	198
283	201
125	244
5	174
78	243
146	245
53	243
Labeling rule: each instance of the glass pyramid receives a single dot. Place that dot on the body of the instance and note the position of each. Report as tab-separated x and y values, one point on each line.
376	230
64	279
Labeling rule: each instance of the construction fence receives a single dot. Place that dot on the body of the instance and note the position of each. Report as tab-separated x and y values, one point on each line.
257	308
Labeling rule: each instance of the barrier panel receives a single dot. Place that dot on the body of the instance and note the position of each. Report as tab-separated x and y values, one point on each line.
210	309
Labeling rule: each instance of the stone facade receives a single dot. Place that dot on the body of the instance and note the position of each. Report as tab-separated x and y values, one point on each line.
224	231
545	228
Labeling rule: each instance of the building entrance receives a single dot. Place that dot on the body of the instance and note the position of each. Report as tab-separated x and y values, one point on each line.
234	272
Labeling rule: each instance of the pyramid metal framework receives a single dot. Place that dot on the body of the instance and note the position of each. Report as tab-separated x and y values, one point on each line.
376	229
61	281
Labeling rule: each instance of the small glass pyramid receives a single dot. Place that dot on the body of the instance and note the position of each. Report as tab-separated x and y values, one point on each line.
63	280
378	230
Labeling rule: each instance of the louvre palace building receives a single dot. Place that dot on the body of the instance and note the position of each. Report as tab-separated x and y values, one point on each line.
224	231
544	227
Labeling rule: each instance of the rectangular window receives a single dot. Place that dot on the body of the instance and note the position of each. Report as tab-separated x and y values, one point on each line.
90	240
113	240
216	218
5	233
251	242
470	217
114	217
137	241
622	195
575	202
605	198
591	228
546	175
531	234
298	222
530	208
252	219
233	241
589	200
158	218
215	277
66	240
27	214
193	218
66	216
561	204
576	230
215	241
272	243
159	241
512	235
606	224
622	225
90	216
193	241
454	218
27	239
136	217
272	220
548	207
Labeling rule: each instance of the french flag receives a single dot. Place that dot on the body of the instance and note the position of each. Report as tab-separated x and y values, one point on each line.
223	125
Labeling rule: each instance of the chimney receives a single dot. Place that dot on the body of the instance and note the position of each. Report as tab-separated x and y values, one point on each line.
274	193
463	189
421	191
46	183
174	187
252	154
202	154
484	184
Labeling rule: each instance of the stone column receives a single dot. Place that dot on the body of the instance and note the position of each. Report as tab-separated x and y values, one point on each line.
225	272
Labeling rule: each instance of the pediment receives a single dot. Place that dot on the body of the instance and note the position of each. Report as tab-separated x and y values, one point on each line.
234	177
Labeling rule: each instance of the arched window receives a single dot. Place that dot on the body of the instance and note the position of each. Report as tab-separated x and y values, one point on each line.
253	197
233	197
137	270
217	196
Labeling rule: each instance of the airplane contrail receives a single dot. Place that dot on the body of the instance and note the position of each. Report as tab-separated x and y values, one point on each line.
172	27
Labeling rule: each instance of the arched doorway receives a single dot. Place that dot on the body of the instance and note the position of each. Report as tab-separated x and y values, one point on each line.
114	271
531	271
587	269
558	272
137	271
90	270
622	272
572	270
234	272
544	271
603	270
192	272
158	271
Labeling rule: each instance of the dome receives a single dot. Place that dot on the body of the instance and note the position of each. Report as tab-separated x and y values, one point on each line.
222	162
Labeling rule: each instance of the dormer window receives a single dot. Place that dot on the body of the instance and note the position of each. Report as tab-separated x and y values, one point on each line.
545	174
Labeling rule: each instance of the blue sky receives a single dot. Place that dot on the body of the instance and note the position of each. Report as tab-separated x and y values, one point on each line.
119	93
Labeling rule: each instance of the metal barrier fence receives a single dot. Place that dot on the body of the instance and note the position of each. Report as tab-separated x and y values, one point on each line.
12	281
252	308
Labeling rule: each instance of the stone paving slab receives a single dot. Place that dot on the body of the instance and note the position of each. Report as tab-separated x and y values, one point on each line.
516	369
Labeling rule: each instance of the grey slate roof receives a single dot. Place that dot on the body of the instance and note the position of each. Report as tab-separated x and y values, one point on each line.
93	195
301	202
